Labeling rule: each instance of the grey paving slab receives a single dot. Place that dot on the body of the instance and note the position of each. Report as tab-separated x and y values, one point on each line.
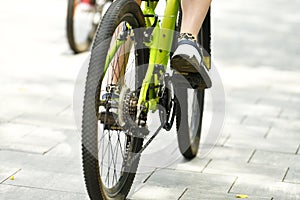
276	159
287	124
6	172
230	154
195	165
237	107
247	97
163	151
241	131
262	89
259	110
9	192
294	98
202	195
154	192
247	86
7	116
9	106
275	98
170	184
67	112
40	140
277	190
138	182
31	103
48	180
289	77
255	121
46	120
245	170
207	144
69	147
290	113
233	118
183	179
293	175
284	133
264	42
23	160
58	104
287	145
280	123
11	131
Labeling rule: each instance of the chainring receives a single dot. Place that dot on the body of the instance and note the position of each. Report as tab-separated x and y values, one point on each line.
167	101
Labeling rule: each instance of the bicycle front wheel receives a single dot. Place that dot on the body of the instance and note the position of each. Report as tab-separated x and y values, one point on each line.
189	113
110	150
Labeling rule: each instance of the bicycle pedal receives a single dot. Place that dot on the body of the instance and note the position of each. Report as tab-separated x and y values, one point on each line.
188	80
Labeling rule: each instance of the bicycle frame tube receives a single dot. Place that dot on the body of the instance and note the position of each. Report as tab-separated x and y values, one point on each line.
112	52
159	48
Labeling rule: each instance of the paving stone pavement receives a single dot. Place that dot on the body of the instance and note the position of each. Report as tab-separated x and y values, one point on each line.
256	50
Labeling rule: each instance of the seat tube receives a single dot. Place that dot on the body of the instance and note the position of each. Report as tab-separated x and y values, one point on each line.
167	32
161	46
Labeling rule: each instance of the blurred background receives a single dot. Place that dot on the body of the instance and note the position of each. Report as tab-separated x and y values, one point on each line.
256	49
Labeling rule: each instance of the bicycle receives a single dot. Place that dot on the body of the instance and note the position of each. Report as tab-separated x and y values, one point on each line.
131	44
83	17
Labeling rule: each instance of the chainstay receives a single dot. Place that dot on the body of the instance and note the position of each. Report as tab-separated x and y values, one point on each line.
145	146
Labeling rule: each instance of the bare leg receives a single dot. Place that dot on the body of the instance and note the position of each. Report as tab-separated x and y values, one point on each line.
194	12
187	58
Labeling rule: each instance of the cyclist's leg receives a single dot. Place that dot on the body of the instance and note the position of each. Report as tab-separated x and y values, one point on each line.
194	12
187	58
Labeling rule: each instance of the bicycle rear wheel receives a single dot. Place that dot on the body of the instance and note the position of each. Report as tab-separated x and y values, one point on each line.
81	24
110	151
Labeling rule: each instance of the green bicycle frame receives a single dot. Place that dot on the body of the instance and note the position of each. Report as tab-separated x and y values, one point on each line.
160	47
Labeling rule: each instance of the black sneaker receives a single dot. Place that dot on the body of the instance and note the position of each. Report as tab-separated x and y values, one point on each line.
188	61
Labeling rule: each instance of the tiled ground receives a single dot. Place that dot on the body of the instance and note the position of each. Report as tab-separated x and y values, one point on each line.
256	51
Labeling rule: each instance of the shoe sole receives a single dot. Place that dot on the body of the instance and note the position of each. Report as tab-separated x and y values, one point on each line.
184	64
188	66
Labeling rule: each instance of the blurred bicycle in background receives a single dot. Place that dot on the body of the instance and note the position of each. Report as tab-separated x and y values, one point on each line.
83	17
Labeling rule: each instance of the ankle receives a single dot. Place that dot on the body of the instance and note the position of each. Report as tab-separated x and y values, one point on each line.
187	36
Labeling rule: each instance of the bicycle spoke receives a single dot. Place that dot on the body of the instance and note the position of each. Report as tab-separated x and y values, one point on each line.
108	169
102	156
104	153
116	161
112	157
122	153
